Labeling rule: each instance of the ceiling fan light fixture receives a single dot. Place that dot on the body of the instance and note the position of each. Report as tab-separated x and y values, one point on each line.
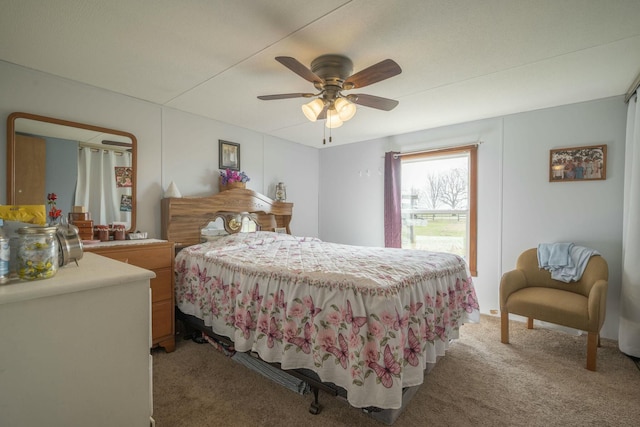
346	110
333	119
312	109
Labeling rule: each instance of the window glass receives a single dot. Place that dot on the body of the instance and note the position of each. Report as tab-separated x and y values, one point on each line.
438	202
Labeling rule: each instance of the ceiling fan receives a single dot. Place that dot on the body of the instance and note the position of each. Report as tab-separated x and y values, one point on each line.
331	75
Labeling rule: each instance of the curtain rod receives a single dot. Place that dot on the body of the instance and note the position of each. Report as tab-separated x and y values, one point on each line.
632	89
450	147
103	147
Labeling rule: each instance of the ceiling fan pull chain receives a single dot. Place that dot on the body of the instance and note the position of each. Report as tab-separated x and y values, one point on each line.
324	136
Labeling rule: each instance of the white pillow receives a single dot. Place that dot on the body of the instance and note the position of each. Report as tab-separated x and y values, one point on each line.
211	234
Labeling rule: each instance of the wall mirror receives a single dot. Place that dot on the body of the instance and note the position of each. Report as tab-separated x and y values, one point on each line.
83	165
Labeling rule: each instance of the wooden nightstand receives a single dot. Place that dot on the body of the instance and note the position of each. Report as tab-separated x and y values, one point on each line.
158	256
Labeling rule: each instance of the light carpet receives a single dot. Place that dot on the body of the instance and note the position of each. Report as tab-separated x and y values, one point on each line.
537	380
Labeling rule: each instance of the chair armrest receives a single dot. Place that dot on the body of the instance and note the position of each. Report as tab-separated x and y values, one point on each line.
511	281
597	305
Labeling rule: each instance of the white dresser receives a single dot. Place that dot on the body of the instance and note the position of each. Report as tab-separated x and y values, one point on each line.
74	349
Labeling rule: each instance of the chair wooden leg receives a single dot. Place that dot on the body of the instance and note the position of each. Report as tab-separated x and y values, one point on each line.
529	322
593	338
504	327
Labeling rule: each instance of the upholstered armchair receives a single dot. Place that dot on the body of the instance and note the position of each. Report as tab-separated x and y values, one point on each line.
530	291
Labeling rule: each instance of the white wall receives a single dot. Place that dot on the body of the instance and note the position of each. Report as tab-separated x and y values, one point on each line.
587	213
517	205
338	191
172	146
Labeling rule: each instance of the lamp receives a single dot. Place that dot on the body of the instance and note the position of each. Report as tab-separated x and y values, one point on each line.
333	119
339	111
346	110
312	109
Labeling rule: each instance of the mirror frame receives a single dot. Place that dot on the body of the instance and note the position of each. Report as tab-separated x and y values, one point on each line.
11	147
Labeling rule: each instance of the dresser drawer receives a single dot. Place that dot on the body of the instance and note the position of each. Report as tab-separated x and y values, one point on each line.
151	258
161	288
162	319
158	257
145	256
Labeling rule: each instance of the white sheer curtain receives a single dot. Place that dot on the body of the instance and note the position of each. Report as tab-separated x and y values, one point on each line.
629	331
96	188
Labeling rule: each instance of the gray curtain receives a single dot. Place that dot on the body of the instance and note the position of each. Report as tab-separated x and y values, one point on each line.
629	329
392	201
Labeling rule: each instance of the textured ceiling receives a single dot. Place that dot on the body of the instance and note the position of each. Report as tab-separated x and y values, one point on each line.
462	60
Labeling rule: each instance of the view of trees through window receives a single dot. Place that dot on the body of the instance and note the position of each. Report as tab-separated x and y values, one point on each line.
435	203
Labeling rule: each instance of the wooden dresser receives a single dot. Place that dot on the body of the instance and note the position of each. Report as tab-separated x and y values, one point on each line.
158	256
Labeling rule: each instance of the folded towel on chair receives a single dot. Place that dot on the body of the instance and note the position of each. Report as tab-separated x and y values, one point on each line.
554	255
565	261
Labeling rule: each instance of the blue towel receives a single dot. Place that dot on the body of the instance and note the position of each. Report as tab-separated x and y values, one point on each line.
565	261
554	255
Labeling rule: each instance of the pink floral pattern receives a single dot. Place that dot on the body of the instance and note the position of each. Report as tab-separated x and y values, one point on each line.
366	319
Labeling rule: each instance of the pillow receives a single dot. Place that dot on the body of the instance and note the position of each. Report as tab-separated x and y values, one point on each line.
212	234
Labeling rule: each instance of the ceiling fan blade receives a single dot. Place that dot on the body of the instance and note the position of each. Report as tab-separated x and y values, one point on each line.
298	68
375	73
323	114
380	103
285	96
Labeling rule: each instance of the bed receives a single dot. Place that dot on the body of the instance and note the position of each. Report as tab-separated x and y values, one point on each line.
370	321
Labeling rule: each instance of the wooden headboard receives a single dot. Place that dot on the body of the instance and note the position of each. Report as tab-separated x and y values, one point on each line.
183	218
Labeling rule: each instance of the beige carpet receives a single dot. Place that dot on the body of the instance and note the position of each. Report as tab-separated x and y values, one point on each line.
537	380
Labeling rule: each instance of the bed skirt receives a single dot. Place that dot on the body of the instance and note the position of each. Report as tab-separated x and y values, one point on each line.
297	380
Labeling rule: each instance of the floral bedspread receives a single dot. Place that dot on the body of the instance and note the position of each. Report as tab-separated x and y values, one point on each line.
367	319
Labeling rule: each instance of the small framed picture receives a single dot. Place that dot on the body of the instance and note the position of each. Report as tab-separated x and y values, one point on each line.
578	163
124	176
282	230
228	155
126	202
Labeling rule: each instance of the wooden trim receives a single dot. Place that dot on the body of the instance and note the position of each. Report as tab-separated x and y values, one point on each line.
473	210
438	151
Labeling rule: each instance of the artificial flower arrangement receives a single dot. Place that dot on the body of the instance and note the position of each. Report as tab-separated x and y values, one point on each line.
54	212
229	176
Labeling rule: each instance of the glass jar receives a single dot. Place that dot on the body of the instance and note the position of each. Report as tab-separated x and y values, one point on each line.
102	232
119	232
37	256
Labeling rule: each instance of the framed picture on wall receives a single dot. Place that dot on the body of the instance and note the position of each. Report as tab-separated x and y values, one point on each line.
578	163
228	155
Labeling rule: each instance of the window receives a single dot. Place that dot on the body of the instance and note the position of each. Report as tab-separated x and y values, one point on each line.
439	202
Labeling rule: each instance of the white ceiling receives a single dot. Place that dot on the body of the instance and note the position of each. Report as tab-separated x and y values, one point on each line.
462	60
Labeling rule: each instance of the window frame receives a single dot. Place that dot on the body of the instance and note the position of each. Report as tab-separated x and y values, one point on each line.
472	151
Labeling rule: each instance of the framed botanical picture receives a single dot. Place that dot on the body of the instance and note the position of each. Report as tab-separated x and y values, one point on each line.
578	163
228	155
